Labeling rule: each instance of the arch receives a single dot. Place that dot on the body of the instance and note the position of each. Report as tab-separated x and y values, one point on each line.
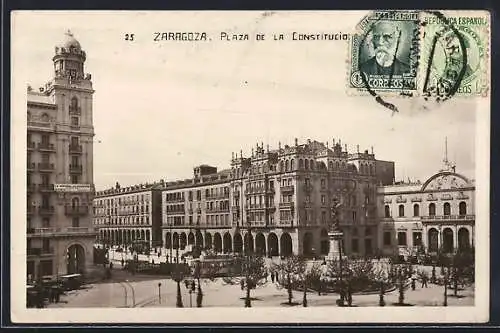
74	102
168	240
416	210
432	209
147	235
286	244
208	240
387	211
228	243
306	162
129	236
371	169
191	239
287	165
217	242
199	239
248	242
143	236
463	239
176	241
75	255
75	202
446	208
325	242
311	164
183	241
281	166
301	163
401	210
442	174
238	243
433	239
134	237
272	244
462	208
307	244
330	165
447	240
292	164
260	244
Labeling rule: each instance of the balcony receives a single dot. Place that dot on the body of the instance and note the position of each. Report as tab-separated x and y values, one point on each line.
286	205
75	149
287	189
46	210
30	166
45	167
44	146
76	210
286	223
198	210
75	110
46	187
31	146
60	231
438	218
235	208
75	168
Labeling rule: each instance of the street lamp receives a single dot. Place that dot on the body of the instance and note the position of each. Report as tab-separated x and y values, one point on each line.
159	292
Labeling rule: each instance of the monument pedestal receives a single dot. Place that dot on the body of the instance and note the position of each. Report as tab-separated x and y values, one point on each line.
335	238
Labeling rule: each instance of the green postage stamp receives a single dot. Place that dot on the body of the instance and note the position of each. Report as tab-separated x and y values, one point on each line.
421	53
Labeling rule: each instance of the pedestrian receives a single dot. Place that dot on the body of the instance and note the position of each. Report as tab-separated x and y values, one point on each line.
111	265
272	276
159	254
152	261
349	294
123	262
242	284
424	281
413	282
277	280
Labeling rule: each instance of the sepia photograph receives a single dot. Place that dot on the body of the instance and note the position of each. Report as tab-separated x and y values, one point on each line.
250	166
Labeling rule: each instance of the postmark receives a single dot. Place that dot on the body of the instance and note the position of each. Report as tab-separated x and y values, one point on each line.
384	53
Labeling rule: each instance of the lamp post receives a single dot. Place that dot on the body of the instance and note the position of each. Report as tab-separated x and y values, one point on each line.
159	292
335	235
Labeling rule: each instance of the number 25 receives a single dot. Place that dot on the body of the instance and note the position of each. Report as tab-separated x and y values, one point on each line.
129	37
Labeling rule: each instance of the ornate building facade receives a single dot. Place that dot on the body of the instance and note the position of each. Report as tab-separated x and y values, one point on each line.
125	215
60	167
437	215
278	201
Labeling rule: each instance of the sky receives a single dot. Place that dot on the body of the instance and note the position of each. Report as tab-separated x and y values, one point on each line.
161	108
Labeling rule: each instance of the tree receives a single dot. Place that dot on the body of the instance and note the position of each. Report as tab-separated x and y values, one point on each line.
309	277
291	267
249	271
205	272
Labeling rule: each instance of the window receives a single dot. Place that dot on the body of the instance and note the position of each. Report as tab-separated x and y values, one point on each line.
402	238
416	210
446	208
46	222
46	245
387	211
307	164
45	158
75	121
76	222
307	181
417	238
387	238
323	217
432	209
323	199
401	209
462	208
323	183
45	179
45	139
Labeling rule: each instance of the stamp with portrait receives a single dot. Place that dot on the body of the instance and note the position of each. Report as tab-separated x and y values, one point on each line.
455	54
384	54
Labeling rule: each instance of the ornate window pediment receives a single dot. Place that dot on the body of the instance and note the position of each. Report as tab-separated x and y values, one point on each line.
400	199
431	197
416	199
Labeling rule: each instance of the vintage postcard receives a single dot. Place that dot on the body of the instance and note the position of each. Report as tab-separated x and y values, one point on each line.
250	167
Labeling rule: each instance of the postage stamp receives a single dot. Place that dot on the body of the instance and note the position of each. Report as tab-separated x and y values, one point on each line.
420	53
385	53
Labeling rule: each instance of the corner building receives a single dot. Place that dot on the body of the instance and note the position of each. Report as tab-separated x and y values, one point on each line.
278	201
60	186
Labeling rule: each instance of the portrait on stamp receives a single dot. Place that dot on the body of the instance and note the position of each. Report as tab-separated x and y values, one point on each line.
385	39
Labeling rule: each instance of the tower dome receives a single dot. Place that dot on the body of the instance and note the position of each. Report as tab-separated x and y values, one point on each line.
70	41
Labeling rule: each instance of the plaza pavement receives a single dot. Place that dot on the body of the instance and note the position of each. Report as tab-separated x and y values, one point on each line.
219	294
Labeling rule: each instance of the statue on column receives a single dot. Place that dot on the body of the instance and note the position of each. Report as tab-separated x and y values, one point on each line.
334	216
